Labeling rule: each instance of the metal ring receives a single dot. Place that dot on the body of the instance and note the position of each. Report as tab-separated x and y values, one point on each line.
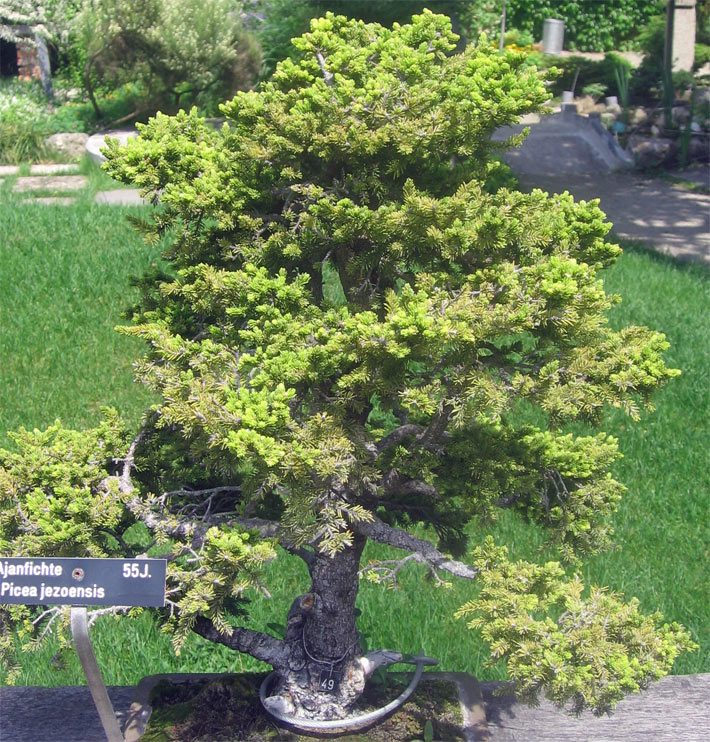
356	723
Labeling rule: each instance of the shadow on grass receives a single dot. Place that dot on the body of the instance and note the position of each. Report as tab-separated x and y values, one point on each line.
683	263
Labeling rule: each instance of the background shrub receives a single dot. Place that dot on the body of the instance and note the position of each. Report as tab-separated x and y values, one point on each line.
590	25
24	122
579	73
178	53
276	22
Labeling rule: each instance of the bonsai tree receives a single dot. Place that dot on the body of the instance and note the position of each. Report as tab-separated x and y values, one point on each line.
362	334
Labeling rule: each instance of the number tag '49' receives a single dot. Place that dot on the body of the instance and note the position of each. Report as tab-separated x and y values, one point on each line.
329	682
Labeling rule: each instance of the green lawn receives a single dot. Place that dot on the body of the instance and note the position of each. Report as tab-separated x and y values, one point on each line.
64	279
63	282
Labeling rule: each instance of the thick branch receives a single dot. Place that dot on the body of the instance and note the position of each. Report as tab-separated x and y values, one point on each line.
125	484
423	551
197	529
436	429
425	437
398	435
415	487
260	646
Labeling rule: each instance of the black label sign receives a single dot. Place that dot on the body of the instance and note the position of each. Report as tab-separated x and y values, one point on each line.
329	681
63	581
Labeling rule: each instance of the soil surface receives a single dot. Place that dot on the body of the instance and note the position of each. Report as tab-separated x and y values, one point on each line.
229	709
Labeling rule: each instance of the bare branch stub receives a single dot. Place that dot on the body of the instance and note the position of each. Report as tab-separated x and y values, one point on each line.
327	75
422	550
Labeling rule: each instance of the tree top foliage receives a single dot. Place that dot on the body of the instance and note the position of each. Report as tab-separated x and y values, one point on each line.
363	329
345	267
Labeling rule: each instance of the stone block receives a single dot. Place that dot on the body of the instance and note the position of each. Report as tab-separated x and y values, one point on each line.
71	145
51	183
638	116
651	152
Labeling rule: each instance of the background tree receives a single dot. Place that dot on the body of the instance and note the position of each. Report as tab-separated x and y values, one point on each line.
276	22
179	52
363	335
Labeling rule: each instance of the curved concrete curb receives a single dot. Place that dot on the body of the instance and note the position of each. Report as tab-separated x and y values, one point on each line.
97	141
566	143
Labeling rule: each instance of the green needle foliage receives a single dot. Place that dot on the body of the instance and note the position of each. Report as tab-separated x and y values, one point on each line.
362	327
598	649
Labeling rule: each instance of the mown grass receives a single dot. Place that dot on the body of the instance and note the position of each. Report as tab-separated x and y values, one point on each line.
63	284
64	277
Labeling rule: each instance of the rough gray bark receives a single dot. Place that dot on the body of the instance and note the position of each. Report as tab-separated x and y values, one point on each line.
321	670
255	643
422	550
325	675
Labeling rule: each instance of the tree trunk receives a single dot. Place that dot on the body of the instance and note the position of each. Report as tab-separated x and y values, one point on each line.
324	676
89	87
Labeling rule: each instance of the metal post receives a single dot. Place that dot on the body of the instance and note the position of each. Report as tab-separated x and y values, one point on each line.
501	41
45	70
668	40
82	642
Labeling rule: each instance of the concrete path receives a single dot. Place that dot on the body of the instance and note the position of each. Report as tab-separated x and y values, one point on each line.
673	220
560	155
51	183
51	169
64	181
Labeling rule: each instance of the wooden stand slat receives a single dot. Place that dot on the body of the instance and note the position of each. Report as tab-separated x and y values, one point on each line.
675	709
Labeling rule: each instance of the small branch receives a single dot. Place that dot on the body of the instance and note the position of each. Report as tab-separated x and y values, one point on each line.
436	428
327	76
125	483
112	610
117	122
424	551
260	646
387	570
202	493
54	614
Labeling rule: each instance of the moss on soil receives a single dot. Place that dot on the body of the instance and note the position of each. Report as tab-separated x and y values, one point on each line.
229	709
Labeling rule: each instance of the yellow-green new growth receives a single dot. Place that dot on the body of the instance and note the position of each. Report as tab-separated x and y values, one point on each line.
363	331
589	650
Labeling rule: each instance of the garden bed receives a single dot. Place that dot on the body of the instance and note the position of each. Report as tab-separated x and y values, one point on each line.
226	708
